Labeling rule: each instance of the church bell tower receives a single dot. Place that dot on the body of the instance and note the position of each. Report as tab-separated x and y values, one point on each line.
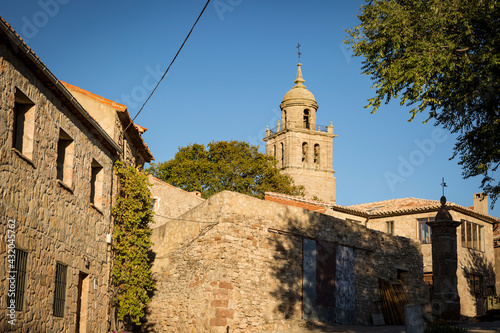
303	149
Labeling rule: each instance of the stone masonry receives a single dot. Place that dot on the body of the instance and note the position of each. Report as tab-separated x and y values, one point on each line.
236	262
405	213
303	150
56	190
170	201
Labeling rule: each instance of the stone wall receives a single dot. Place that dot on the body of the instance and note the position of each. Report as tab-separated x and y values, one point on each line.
237	263
470	261
54	222
497	269
318	179
170	201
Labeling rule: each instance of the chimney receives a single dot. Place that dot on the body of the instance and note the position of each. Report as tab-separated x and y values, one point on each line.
481	203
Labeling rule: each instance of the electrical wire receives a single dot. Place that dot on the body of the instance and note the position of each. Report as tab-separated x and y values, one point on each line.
185	40
185	220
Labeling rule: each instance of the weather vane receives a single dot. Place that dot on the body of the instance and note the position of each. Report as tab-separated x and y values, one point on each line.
443	184
298	52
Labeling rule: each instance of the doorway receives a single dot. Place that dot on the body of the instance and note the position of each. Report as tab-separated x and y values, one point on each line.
82	303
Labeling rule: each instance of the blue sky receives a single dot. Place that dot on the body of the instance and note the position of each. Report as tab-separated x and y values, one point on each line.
231	76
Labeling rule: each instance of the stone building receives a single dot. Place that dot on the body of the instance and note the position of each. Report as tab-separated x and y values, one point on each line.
169	201
249	265
407	217
57	185
496	245
303	148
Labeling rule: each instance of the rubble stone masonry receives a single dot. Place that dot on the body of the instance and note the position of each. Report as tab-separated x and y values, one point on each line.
54	222
236	262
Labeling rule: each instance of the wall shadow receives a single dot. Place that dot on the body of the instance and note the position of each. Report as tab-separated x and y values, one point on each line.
480	276
316	289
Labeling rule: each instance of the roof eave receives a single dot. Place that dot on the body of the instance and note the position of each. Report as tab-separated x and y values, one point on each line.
46	76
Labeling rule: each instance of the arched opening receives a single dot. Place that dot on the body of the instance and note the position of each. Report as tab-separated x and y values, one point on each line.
284	119
306	121
304	152
274	151
316	154
282	155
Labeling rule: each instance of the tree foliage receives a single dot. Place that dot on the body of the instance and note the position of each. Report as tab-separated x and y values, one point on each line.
131	241
441	56
224	165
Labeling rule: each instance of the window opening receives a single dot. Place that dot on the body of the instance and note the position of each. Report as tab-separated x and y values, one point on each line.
60	290
24	124
306	122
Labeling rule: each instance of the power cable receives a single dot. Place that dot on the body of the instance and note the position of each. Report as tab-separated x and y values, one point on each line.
185	220
185	40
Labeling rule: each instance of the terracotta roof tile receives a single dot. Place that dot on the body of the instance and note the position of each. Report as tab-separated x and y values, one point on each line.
391	207
102	100
119	108
396	205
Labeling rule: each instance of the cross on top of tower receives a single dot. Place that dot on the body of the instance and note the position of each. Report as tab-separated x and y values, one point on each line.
443	184
298	50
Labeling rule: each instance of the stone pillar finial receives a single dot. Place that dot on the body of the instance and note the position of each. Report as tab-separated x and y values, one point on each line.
445	299
443	214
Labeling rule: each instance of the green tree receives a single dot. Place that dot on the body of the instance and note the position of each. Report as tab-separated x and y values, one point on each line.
441	56
131	242
224	165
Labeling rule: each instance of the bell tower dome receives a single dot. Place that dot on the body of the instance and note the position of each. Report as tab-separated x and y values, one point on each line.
299	105
303	149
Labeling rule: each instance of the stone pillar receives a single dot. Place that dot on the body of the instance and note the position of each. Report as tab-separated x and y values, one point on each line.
445	299
414	318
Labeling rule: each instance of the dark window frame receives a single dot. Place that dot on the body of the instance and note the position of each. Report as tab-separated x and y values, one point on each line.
472	236
65	157
24	122
422	223
61	281
20	267
389	227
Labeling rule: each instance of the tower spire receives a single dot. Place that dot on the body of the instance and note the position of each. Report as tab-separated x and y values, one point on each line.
299	80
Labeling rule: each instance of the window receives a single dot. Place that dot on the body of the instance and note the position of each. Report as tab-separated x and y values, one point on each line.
282	155
96	184
155	203
304	152
475	284
306	122
284	119
24	124
65	158
60	290
472	235
274	151
316	154
389	227
402	276
424	231
20	263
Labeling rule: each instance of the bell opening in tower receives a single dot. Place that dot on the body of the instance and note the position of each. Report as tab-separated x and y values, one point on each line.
306	119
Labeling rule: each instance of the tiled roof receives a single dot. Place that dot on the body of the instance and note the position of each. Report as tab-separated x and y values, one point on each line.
391	207
100	99
122	109
394	205
349	210
405	206
140	128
